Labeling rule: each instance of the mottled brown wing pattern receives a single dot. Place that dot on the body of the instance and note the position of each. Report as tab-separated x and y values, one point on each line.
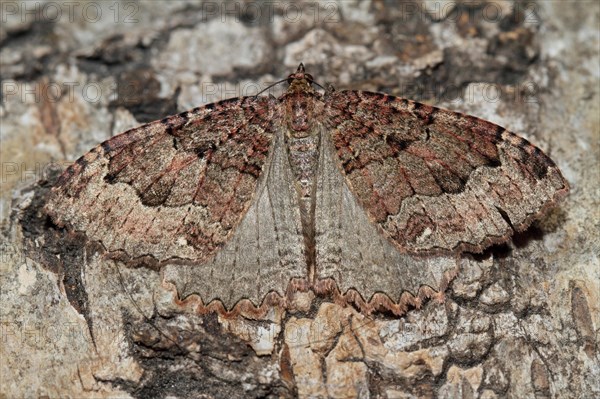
436	180
172	189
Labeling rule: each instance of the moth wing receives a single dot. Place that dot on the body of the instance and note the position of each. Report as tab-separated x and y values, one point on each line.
434	180
173	189
266	252
356	261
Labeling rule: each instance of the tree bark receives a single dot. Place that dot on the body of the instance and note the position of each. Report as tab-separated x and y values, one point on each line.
519	321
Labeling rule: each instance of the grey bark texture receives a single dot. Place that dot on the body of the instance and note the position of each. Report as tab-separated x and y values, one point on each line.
521	320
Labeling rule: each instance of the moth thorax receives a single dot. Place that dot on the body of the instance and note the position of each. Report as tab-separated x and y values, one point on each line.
300	115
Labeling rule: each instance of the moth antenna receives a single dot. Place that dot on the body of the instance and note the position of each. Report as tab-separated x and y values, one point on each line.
321	86
269	86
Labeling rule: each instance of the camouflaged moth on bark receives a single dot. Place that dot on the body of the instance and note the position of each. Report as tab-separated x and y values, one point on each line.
335	192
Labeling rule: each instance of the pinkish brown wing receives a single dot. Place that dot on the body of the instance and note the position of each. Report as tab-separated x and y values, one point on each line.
171	189
436	180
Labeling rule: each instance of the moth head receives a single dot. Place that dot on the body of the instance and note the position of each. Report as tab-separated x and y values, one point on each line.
300	75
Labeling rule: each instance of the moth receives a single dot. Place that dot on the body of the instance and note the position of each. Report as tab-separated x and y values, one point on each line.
355	193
